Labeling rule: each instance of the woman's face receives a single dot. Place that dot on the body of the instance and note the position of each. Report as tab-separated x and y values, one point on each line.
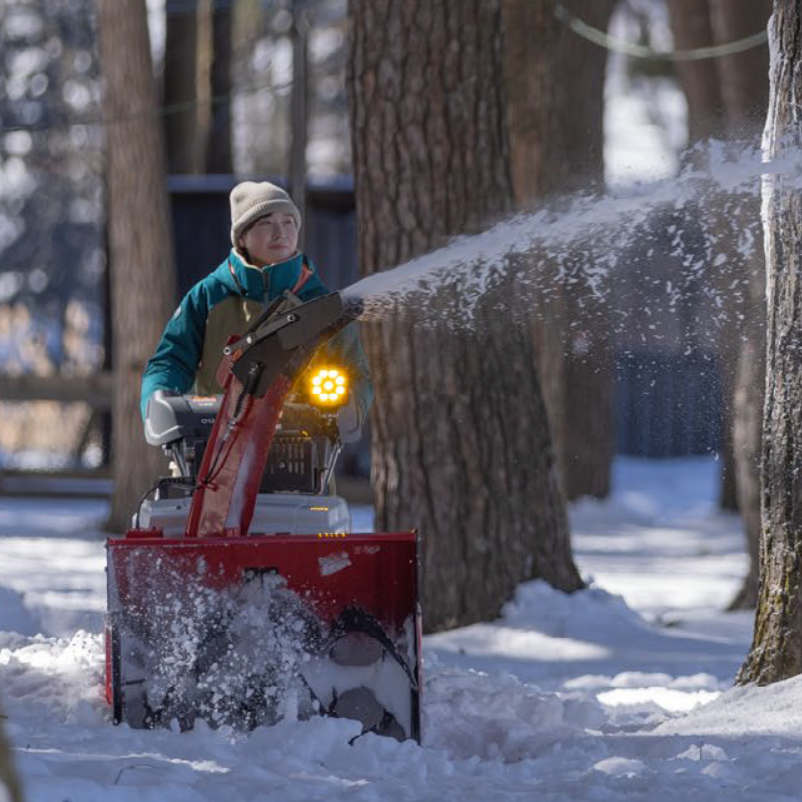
271	239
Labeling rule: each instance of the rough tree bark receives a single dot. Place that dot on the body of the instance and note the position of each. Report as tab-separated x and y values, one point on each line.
142	273
776	651
461	447
555	149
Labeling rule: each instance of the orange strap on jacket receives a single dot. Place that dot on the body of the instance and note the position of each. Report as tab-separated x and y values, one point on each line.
306	272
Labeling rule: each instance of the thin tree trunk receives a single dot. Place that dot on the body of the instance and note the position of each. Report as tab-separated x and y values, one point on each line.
182	131
219	157
299	112
776	651
692	27
727	348
723	95
750	381
142	273
743	77
461	447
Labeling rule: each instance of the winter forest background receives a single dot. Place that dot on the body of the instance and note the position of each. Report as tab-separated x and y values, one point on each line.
573	225
635	314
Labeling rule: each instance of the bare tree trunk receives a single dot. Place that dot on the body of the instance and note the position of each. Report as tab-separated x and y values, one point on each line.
556	141
692	27
219	157
556	148
743	77
776	651
750	381
461	447
299	133
142	273
727	96
182	131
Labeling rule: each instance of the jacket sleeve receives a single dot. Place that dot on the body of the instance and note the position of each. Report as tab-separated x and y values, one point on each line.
175	361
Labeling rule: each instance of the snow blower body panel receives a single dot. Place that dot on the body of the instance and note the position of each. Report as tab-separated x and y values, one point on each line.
243	628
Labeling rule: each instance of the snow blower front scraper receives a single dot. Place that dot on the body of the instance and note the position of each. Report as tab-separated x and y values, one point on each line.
240	596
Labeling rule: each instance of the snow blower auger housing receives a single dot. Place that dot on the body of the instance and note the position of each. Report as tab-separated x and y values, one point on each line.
240	596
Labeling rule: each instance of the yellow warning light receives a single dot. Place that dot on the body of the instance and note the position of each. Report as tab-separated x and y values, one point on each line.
328	387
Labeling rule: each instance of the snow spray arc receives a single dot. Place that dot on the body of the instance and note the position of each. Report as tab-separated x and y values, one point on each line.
685	238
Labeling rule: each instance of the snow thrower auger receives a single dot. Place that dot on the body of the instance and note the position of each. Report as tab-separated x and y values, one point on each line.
241	596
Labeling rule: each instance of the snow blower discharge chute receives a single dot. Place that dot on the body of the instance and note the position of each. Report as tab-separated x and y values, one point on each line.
241	596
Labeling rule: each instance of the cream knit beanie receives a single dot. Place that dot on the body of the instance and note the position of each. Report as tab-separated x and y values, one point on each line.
251	200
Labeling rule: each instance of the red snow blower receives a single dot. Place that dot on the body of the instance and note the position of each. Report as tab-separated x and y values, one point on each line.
241	597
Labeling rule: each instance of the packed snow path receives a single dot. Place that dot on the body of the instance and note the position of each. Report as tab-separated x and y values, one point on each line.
623	691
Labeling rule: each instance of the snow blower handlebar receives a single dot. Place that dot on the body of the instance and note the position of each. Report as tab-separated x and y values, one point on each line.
257	372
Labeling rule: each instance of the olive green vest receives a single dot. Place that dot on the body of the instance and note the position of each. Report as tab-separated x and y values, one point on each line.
231	316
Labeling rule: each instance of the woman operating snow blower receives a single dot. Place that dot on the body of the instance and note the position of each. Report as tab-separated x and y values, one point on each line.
240	595
264	261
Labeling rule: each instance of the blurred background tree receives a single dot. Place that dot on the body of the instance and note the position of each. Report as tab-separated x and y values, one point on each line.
727	100
142	275
52	215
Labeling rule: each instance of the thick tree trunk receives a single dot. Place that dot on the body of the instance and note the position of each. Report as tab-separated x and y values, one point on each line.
556	148
142	274
777	645
461	447
182	132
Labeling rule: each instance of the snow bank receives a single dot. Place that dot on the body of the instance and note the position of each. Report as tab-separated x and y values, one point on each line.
56	679
470	713
774	710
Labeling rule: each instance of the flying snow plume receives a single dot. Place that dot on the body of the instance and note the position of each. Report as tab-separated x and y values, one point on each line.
690	235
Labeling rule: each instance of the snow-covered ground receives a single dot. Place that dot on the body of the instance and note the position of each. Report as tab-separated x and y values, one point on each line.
622	691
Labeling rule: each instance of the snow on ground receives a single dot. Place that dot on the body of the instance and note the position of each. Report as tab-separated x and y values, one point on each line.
622	691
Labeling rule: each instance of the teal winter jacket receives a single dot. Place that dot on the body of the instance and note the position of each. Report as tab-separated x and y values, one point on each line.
229	297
